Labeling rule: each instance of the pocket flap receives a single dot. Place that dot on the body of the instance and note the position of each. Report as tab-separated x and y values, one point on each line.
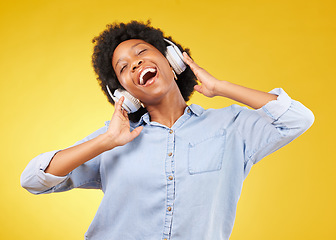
206	155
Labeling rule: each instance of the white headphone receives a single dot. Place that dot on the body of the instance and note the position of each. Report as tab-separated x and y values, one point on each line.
132	104
175	57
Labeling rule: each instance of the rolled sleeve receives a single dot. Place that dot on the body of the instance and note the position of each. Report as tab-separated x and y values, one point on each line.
34	179
87	175
271	127
273	110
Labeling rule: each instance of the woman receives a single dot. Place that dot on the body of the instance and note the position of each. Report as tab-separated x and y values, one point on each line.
169	170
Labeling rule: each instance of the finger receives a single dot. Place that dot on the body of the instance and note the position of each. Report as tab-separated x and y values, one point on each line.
198	88
118	106
121	100
136	132
190	62
124	112
187	59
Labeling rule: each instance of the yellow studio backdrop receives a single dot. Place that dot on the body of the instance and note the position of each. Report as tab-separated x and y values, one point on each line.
50	99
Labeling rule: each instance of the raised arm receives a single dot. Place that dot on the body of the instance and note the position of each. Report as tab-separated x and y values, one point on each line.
211	87
273	125
117	134
78	166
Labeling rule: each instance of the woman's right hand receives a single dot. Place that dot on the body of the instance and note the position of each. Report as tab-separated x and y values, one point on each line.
118	132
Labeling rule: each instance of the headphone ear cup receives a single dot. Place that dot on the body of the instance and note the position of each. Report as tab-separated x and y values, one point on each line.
175	57
130	104
174	60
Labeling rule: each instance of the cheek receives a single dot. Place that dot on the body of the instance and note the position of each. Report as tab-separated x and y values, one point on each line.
126	82
122	82
164	65
167	70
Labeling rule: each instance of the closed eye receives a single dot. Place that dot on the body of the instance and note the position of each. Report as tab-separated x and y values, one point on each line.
143	50
140	52
122	69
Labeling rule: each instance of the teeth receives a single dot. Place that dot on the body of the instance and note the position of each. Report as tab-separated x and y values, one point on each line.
144	72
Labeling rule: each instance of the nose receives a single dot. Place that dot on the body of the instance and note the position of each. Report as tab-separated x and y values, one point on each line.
136	64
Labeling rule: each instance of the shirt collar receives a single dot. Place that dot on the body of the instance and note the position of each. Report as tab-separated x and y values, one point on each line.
195	109
192	109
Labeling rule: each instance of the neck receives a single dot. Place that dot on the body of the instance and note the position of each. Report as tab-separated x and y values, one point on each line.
168	110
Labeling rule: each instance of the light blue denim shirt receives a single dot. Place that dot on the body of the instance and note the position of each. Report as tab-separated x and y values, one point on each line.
182	182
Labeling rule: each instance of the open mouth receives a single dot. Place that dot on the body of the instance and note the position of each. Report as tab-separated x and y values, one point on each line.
147	74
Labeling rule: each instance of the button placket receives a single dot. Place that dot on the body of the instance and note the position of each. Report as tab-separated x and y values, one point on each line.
169	163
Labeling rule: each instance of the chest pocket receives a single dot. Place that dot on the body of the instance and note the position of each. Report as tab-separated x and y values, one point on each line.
206	155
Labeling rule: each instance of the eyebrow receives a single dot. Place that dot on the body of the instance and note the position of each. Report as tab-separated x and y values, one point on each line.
120	59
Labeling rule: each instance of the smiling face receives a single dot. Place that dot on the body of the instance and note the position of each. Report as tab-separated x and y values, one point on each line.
143	71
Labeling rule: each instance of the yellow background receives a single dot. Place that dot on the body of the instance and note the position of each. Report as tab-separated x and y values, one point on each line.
50	99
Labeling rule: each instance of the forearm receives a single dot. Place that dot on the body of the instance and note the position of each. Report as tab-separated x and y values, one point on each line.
250	97
68	159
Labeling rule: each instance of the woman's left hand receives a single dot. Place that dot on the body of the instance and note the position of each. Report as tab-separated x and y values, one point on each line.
208	82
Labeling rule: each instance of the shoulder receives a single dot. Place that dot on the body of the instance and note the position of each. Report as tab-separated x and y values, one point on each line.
229	111
215	118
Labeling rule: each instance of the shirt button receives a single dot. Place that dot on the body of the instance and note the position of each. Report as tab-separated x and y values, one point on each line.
171	131
169	209
169	154
188	111
171	178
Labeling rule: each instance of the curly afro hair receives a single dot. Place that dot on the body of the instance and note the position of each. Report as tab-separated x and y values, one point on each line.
108	40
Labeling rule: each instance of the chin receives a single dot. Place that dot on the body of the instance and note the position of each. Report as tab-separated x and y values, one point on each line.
157	95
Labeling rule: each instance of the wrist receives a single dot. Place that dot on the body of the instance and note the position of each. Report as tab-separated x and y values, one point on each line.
106	142
221	88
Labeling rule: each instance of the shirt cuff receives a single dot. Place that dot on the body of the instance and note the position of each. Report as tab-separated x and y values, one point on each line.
273	110
47	179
